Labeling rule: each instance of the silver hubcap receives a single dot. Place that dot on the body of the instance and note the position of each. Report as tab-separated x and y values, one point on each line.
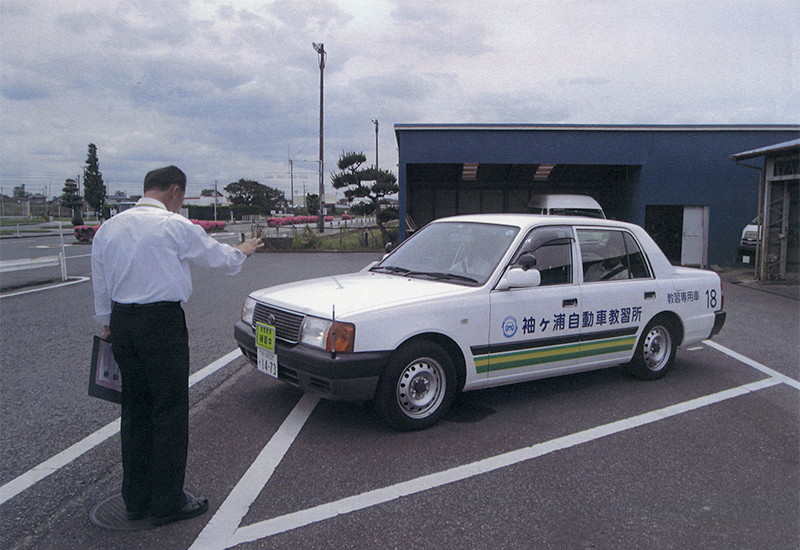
420	388
657	348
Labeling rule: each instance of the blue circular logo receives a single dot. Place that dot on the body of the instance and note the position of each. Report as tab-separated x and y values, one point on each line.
509	327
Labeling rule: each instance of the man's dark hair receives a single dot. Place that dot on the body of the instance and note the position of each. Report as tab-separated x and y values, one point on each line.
164	178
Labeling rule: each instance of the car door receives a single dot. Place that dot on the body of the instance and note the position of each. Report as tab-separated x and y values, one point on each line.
536	329
618	293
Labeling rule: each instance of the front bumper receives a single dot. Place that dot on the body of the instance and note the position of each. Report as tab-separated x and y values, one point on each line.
348	377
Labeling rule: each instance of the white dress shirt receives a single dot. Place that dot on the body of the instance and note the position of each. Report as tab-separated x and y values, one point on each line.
142	255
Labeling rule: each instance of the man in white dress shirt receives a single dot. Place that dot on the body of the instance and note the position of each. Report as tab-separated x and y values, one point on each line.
140	274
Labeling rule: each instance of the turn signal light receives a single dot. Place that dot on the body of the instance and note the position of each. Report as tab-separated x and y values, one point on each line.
345	336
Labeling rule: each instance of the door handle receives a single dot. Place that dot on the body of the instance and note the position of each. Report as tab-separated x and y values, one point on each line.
570	303
650	295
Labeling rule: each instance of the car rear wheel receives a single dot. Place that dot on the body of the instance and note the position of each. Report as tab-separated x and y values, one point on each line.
417	387
655	351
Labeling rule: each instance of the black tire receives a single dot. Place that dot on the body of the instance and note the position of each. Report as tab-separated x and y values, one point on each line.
417	387
655	351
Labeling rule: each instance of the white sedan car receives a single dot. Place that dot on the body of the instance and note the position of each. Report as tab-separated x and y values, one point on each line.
477	301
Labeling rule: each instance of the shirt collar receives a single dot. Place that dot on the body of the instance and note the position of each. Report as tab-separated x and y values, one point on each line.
147	201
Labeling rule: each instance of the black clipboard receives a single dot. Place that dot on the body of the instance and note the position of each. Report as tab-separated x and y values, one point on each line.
105	379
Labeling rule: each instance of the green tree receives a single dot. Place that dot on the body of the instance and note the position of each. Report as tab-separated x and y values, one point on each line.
312	204
20	193
371	184
94	190
251	193
71	197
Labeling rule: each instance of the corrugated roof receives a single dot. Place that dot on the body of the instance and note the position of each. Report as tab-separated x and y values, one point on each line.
770	150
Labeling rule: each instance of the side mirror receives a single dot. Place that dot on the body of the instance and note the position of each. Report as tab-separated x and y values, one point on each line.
388	248
518	277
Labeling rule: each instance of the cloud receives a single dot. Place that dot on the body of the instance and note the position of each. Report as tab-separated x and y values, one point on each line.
23	91
230	88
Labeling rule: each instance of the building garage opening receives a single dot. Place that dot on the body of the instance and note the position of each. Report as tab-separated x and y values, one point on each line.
680	231
439	190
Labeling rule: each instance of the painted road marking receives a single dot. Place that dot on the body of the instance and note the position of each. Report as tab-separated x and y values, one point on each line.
31	291
225	522
225	534
224	530
302	518
52	465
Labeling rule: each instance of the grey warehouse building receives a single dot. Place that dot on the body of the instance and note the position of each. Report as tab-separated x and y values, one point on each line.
678	182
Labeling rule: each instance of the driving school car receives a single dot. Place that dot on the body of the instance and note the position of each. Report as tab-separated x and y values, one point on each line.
477	301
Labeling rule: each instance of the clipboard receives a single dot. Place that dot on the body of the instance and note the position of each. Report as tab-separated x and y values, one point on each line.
105	378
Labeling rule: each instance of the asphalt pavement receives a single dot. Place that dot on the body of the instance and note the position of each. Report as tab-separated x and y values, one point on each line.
705	458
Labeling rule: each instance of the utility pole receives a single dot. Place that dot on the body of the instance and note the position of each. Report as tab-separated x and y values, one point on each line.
215	200
291	184
320	49
375	122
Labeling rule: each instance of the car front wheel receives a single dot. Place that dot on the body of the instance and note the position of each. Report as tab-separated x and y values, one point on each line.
655	351
417	387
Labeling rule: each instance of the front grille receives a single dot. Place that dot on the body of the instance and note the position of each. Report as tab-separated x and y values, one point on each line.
287	324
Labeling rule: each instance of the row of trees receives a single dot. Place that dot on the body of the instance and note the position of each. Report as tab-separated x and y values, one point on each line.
366	189
94	189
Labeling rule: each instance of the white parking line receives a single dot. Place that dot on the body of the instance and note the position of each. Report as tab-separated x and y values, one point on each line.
227	519
66	283
322	512
38	473
223	531
756	365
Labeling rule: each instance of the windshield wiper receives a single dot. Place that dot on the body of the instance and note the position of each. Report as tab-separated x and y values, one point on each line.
441	276
391	269
432	274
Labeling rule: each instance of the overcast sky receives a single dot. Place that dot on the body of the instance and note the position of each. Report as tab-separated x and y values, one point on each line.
229	89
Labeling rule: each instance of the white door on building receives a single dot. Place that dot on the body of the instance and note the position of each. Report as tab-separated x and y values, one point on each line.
694	244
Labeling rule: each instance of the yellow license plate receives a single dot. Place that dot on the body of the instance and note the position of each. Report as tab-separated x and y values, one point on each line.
265	336
266	358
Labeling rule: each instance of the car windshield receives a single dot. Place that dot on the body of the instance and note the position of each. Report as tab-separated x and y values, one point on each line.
457	252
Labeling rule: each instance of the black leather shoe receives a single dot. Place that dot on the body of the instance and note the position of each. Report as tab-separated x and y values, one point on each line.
191	509
136	516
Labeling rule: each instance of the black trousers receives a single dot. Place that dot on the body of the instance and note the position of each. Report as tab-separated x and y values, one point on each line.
151	346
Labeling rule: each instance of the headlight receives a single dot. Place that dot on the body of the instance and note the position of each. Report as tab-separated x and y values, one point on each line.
247	310
314	331
321	333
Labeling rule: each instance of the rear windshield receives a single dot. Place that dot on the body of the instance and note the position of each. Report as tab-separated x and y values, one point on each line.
588	212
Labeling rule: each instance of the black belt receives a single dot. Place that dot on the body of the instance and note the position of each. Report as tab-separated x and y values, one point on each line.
130	307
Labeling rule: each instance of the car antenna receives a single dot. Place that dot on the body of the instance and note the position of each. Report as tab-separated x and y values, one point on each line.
333	337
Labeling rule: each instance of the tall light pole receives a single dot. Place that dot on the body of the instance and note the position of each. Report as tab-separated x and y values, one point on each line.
215	200
320	49
375	122
291	184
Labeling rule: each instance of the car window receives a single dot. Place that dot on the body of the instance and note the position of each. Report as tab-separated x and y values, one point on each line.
609	254
457	252
552	248
588	212
636	260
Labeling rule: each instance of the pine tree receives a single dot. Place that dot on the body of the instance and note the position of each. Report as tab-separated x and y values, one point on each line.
367	183
71	197
94	190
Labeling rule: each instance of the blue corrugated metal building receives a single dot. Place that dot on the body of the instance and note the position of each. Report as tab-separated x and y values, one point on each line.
677	181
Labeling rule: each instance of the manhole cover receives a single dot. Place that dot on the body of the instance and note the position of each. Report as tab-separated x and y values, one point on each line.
111	514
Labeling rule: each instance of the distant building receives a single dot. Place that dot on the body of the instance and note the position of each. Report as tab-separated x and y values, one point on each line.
674	180
206	201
